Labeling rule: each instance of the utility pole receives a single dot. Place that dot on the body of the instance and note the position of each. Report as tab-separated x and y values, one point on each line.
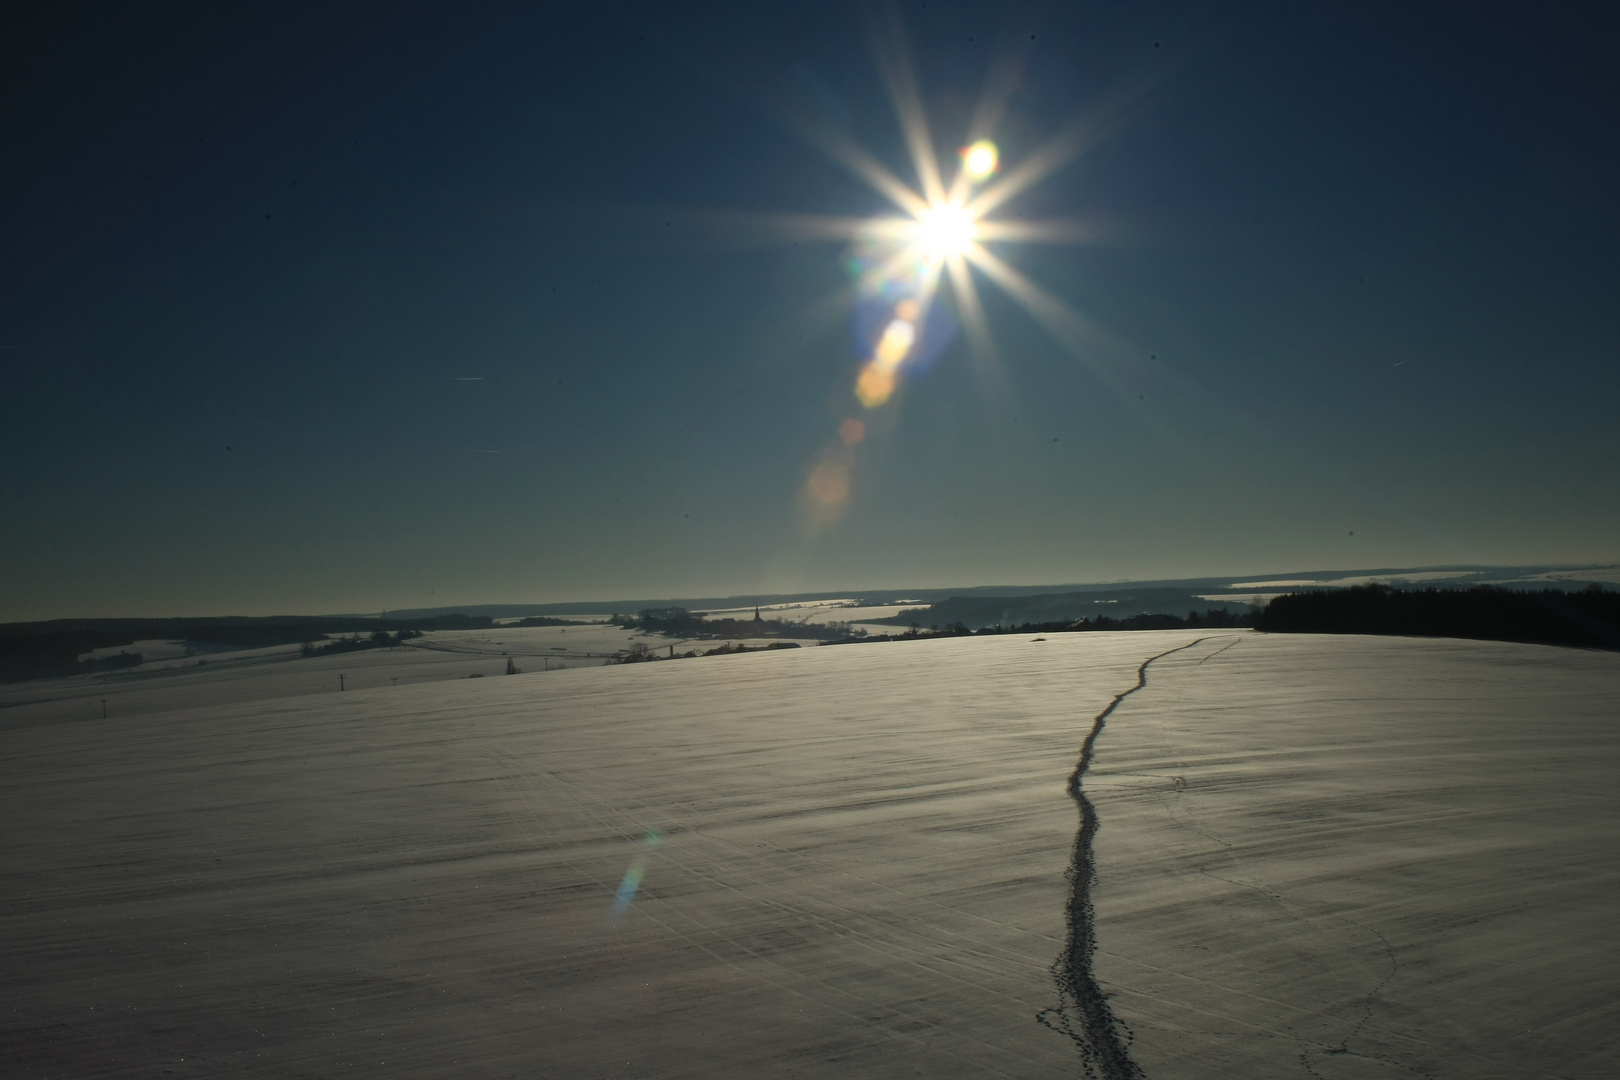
340	683
394	679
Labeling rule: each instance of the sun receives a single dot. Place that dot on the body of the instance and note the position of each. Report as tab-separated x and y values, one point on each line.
945	230
943	240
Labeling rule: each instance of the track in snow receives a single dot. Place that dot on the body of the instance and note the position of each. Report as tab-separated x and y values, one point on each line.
1083	1013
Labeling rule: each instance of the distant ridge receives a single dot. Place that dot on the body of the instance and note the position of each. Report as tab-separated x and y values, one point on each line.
1525	577
1512	603
45	649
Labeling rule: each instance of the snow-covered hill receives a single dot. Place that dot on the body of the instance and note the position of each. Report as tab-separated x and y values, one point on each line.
1316	856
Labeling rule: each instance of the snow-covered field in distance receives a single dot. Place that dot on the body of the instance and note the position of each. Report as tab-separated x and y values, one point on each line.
1318	855
175	681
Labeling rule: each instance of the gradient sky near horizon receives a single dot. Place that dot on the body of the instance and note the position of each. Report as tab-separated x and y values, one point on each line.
313	308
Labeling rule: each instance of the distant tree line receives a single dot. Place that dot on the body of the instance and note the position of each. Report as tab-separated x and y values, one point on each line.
51	654
112	663
51	649
1588	617
678	622
639	653
1065	608
1213	618
380	639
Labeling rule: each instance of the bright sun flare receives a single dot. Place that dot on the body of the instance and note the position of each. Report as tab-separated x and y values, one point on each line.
944	237
945	230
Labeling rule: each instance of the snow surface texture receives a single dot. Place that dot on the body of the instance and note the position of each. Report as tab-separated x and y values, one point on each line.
1320	856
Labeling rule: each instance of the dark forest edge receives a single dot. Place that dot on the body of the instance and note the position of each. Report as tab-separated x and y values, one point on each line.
678	622
1590	617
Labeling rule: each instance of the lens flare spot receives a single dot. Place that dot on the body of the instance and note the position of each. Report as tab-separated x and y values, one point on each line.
829	483
628	887
981	160
852	431
896	342
945	230
875	385
908	309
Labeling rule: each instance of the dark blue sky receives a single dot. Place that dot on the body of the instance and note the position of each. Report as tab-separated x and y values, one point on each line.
343	308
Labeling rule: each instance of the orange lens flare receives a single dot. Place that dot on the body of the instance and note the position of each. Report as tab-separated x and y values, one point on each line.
875	385
829	484
852	431
898	337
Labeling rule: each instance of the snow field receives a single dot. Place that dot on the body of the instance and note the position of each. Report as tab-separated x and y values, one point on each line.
1339	856
1364	857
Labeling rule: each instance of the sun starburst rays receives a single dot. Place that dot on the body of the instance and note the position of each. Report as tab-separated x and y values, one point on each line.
894	63
946	233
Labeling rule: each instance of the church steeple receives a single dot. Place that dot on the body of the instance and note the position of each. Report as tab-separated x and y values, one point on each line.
756	615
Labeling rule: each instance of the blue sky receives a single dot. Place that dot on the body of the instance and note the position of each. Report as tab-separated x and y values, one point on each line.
316	308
